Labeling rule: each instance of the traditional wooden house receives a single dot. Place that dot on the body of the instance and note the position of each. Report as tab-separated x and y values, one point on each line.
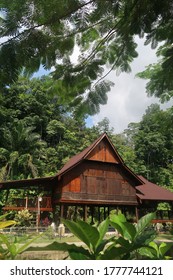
95	181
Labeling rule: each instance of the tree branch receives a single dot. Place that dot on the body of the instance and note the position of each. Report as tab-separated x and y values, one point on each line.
49	22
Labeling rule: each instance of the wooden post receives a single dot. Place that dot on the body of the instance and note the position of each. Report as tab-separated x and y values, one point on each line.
137	213
53	212
99	214
104	212
85	213
61	212
6	197
171	210
75	212
92	214
108	210
38	213
26	202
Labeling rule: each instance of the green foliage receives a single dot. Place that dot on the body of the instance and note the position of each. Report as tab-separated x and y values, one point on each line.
43	32
156	251
160	75
133	242
37	132
153	145
4	223
23	218
10	247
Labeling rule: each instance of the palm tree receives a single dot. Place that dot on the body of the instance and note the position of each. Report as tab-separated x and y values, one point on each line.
21	151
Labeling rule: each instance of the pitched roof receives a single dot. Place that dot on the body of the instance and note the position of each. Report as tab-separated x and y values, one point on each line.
74	161
82	155
44	181
150	191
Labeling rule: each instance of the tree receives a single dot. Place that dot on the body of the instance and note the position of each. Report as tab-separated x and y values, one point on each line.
38	133
159	75
21	152
104	126
153	145
46	33
125	150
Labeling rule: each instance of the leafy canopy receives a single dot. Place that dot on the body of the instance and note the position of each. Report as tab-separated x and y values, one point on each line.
99	33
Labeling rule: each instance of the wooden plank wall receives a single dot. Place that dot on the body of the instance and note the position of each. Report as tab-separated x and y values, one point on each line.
97	181
103	152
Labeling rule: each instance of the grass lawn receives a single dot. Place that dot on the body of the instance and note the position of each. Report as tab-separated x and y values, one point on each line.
47	239
43	239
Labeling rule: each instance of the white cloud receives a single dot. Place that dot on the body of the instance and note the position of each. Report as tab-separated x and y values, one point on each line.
127	101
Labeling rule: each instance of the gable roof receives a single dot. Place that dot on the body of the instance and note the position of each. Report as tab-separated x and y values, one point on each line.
83	155
77	159
150	191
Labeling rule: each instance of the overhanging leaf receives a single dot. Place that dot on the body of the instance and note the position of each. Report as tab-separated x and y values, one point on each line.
23	248
91	232
113	253
164	247
78	256
117	227
116	218
129	230
144	222
147	252
124	228
76	229
56	246
6	224
102	228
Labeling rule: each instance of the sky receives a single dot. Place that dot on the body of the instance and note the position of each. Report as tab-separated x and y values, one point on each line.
127	101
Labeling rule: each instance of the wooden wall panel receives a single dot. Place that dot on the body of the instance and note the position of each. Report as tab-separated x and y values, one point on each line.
70	183
75	185
91	185
109	187
98	182
113	186
102	170
103	152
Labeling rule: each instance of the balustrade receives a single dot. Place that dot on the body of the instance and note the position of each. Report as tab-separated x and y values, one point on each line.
30	203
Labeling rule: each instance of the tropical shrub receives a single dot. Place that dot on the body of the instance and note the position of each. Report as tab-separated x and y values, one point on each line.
10	246
23	218
132	242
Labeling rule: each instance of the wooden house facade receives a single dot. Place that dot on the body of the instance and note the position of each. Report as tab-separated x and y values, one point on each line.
97	179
